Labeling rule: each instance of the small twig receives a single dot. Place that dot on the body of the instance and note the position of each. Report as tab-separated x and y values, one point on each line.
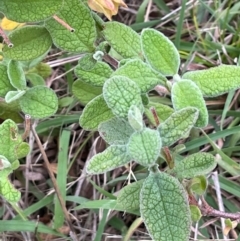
113	62
27	127
155	116
63	23
5	38
46	161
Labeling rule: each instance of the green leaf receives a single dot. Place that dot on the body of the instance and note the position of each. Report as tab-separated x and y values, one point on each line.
163	111
129	196
96	75
115	131
114	156
42	69
39	102
164	208
85	92
182	96
10	111
194	165
14	95
16	75
28	10
94	113
135	118
178	125
4	163
123	39
160	52
78	16
22	150
199	184
5	84
120	93
10	140
217	80
141	73
195	213
144	147
35	79
29	42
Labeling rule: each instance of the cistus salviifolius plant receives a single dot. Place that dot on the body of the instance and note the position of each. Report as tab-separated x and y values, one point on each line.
117	72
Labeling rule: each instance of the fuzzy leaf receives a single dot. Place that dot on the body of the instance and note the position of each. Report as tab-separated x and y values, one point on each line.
28	10
141	73
199	184
160	52
114	156
5	84
120	93
35	79
164	208
115	131
14	95
42	69
182	96
96	75
144	147
22	150
123	39
194	165
29	42
178	125
10	111
16	75
76	14
94	113
195	213
135	118
129	196
39	102
216	81
85	92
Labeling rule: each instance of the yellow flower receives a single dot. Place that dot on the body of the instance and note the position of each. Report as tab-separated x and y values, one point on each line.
9	25
107	7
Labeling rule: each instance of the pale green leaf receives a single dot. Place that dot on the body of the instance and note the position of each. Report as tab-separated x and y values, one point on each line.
94	113
144	147
178	125
115	131
4	163
216	81
8	191
39	102
135	118
120	93
160	52
79	17
114	156
14	95
129	196
29	42
195	213
5	84
186	93
85	92
42	69
199	184
16	75
96	75
123	39
29	10
35	79
22	150
144	76
194	165
164	208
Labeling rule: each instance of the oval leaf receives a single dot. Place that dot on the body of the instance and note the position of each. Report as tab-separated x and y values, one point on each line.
120	93
216	81
114	156
199	185
123	39
5	84
115	131
141	73
129	196
94	113
164	208
76	14
144	147
13	95
29	42
195	213
39	102
96	75
160	52
85	92
178	125
194	165
28	10
182	96
16	75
